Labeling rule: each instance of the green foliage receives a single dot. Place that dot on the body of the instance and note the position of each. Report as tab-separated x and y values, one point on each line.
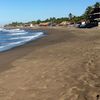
38	21
33	22
97	5
16	24
89	10
76	19
71	17
56	20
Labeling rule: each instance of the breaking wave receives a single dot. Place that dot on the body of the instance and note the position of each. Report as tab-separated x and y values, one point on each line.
15	37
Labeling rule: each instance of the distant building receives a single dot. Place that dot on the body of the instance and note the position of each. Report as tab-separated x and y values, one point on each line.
45	24
94	17
28	25
83	22
64	23
31	25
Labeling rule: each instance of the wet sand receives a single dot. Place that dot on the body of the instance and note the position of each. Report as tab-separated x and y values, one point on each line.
64	65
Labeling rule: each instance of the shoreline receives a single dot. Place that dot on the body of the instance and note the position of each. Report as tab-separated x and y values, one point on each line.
25	37
56	67
38	43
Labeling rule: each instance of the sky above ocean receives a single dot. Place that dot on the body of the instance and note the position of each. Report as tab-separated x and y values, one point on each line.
28	10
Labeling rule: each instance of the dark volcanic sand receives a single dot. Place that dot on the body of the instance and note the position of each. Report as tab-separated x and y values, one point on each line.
64	65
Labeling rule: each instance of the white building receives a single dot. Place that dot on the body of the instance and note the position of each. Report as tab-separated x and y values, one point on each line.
31	25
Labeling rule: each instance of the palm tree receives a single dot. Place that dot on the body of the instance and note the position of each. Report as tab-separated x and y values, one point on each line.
88	11
97	5
70	16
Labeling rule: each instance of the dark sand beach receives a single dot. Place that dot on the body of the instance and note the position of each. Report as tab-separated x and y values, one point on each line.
64	65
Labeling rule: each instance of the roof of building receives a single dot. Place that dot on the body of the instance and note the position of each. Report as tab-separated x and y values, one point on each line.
95	10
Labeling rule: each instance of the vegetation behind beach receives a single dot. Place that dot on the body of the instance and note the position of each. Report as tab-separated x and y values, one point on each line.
71	18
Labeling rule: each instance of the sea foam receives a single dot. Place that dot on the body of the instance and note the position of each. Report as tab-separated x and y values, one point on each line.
16	37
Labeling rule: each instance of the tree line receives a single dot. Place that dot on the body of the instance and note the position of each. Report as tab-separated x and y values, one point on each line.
71	18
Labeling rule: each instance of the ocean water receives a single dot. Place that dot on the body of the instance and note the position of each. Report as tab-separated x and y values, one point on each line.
10	38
